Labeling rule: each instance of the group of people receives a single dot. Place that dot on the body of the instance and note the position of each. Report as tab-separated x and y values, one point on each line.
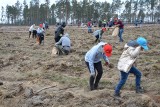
113	23
103	50
38	33
125	64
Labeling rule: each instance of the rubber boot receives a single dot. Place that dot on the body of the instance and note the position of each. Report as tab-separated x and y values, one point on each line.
91	83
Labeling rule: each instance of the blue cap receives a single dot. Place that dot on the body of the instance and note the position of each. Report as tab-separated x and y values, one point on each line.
142	42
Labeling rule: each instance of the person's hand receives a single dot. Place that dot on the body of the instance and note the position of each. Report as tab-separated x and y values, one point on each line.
106	63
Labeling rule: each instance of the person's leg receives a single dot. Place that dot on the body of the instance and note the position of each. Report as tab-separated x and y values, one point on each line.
60	49
122	81
91	79
29	34
98	67
138	75
120	35
97	37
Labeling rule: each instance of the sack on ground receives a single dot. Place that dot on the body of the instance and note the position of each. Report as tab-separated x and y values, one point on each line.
115	31
54	51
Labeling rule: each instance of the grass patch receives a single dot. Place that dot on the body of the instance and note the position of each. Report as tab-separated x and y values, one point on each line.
63	79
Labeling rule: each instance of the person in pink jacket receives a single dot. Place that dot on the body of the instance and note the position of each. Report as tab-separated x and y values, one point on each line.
126	61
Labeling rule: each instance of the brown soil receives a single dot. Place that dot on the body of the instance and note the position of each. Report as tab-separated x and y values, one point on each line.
32	77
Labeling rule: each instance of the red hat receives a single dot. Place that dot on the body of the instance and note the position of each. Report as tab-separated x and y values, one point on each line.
107	50
40	25
104	29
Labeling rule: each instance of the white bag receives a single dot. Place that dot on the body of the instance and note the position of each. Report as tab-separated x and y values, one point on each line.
115	31
54	51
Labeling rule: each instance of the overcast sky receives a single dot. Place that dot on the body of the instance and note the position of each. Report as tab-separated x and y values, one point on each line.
12	2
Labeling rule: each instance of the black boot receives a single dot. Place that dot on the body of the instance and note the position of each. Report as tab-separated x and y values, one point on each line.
91	83
140	90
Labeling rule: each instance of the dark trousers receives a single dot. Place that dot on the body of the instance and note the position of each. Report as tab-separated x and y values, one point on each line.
41	38
34	34
30	33
94	80
97	38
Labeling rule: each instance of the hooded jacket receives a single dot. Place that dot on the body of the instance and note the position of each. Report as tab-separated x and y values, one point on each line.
129	56
94	55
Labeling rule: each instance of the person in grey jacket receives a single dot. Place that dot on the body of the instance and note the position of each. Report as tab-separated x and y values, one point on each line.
63	46
93	62
98	34
126	61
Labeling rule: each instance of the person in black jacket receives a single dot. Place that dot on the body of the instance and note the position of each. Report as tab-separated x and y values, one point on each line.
59	31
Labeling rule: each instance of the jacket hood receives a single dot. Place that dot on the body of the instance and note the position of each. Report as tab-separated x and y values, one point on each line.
131	43
67	35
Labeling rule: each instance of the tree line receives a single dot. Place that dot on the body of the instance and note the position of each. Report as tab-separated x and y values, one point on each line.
73	11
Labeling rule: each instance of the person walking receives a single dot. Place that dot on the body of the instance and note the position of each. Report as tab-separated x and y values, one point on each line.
119	24
98	34
93	62
63	46
126	63
59	31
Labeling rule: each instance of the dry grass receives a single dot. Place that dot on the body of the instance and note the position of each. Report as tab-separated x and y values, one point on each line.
24	62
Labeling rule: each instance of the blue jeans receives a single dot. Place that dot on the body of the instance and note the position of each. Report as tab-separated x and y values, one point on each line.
120	35
89	29
124	77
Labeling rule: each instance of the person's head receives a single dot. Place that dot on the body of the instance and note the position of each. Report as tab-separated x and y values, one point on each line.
41	25
116	19
142	42
63	24
66	34
107	49
103	29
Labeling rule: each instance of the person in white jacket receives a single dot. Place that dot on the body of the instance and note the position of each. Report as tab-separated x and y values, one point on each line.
93	62
32	31
98	34
40	34
126	61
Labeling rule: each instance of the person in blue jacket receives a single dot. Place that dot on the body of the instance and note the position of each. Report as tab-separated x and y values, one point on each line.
93	62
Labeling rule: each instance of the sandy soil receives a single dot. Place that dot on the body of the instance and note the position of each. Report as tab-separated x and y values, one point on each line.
31	77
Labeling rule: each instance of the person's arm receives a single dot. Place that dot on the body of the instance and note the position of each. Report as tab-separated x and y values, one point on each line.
59	42
91	62
106	59
134	53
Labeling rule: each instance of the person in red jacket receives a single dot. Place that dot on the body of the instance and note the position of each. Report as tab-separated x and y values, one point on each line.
119	24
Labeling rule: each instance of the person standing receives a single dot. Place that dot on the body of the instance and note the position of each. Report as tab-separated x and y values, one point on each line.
40	34
119	24
126	63
63	46
93	62
59	31
32	30
89	25
98	34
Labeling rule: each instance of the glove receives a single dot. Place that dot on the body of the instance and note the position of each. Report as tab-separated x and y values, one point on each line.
107	64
